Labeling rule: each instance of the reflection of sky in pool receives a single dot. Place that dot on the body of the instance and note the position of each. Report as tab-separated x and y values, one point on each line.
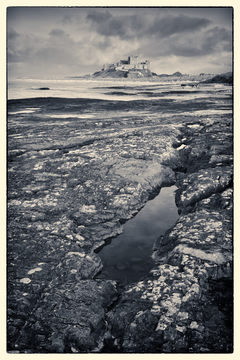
128	257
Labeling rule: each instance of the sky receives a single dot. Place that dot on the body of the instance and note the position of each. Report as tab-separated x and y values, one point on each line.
57	42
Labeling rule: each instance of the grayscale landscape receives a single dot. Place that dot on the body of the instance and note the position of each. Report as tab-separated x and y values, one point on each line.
120	180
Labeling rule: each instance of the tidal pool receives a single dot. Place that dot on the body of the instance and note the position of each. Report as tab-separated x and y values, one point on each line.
128	257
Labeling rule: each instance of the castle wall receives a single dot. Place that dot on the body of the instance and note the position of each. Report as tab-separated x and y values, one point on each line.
133	62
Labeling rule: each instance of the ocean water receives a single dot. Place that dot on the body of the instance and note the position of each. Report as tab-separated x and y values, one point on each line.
119	89
100	100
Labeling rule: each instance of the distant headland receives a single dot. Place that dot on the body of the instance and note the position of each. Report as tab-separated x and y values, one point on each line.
134	67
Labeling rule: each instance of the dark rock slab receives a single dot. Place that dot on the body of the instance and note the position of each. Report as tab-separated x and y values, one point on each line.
68	318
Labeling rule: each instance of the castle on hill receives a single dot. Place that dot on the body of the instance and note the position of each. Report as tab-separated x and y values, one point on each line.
132	63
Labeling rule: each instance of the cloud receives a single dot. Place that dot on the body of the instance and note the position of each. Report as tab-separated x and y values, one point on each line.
107	24
176	25
67	19
57	32
218	37
213	40
140	25
13	56
99	17
120	25
12	34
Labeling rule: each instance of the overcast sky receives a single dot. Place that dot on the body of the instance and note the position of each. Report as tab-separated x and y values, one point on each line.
57	42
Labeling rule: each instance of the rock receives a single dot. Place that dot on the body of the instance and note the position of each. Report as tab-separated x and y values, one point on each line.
191	255
76	322
177	73
77	265
225	78
25	280
71	187
203	184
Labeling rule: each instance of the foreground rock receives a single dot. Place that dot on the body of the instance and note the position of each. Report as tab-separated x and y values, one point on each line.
186	303
70	188
76	317
71	185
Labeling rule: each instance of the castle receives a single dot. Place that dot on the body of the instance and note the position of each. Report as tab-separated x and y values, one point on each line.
132	63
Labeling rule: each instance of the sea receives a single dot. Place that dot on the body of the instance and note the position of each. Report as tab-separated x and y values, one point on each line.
117	89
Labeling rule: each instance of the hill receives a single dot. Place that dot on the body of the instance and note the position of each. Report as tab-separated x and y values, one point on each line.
131	73
225	78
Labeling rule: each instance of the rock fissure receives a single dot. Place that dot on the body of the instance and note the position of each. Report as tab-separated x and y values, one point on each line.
191	331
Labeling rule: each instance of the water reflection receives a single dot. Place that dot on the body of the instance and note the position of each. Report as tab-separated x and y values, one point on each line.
128	257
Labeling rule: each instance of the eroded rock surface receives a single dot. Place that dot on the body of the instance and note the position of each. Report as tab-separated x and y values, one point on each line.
76	317
71	185
180	308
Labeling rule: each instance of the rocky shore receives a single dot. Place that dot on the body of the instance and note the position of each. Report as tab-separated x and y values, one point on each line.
70	188
187	300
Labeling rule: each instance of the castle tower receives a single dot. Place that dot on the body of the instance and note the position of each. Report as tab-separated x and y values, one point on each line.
133	60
